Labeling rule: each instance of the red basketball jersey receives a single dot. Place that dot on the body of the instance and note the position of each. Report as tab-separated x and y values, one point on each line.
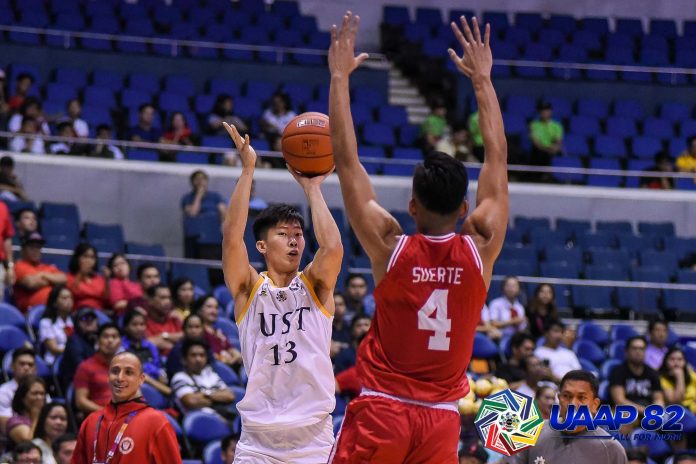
427	308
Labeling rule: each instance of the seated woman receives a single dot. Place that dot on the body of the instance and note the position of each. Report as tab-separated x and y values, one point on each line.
27	403
87	286
134	341
56	325
53	422
541	310
223	111
193	330
208	308
121	288
678	380
182	297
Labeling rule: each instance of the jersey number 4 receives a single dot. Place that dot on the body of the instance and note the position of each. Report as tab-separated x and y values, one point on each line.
440	324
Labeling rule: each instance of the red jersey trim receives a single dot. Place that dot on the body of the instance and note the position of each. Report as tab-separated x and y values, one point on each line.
475	252
400	245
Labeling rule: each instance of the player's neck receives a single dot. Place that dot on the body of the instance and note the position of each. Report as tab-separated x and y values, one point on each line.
432	224
281	279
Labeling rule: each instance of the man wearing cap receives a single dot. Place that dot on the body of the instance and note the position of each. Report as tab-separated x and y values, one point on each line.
126	430
34	279
546	136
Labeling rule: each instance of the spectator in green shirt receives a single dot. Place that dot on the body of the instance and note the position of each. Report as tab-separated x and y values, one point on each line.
546	135
435	126
475	134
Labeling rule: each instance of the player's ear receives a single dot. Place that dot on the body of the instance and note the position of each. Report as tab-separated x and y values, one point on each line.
463	208
412	207
261	246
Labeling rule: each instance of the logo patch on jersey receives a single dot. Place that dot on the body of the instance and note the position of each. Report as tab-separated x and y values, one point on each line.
509	422
281	296
263	292
294	286
126	446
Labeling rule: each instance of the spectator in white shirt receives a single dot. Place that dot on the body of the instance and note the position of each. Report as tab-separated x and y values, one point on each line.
198	386
23	366
56	324
506	313
275	118
79	125
561	360
27	139
31	108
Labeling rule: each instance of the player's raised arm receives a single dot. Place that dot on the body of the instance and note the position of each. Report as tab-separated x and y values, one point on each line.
239	275
375	228
323	271
488	222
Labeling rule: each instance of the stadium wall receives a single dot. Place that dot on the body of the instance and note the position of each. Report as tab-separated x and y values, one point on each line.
145	197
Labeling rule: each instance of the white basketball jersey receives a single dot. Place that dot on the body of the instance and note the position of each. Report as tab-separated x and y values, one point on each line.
285	333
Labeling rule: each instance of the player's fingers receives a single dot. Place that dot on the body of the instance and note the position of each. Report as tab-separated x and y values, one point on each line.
477	31
362	57
467	30
232	131
344	25
487	35
354	26
458	34
334	34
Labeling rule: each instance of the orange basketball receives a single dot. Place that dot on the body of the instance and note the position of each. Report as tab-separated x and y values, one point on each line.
306	144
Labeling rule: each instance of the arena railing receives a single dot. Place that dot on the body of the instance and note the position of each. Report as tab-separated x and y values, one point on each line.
521	168
177	45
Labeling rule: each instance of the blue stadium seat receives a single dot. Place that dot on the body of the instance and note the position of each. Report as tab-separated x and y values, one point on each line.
528	223
518	35
593	332
511	253
656	448
533	22
589	350
605	272
564	23
610	257
378	134
188	157
686	276
666	28
645	147
142	249
211	453
607	367
638	300
658	128
562	270
153	397
584	125
617	350
592	298
609	147
372	167
68	212
666	260
573	226
600	180
649	274
687	128
589	366
632	27
259	90
218	86
10	315
100	235
521	104
428	16
409	135
543	238
593	107
170	102
196	272
203	427
622	332
665	229
568	162
560	255
225	372
497	19
614	226
514	124
681	301
392	115
96	96
621	127
142	155
370	96
675	111
484	348
12	338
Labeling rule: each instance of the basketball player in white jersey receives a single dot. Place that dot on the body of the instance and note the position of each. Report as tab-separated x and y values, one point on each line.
285	319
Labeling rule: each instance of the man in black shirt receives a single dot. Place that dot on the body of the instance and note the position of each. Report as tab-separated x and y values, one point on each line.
634	382
521	346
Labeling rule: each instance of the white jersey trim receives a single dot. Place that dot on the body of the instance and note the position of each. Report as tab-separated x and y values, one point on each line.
397	251
477	256
439	238
449	406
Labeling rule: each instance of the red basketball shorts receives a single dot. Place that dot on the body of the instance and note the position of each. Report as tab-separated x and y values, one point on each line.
379	429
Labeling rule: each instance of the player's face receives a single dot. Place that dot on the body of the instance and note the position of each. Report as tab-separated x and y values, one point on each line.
283	246
658	335
577	392
125	378
67	448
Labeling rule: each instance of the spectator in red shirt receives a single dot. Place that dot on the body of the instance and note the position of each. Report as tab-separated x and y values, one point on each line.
208	308
23	85
121	288
178	132
91	381
34	279
7	273
88	287
163	329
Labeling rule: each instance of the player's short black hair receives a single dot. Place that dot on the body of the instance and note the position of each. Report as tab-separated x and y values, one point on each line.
440	183
272	216
632	339
582	376
519	338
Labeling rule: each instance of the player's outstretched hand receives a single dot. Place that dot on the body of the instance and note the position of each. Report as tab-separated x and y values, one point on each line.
477	60
306	181
246	152
342	59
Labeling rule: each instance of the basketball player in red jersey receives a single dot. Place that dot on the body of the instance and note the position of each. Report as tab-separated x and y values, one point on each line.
431	285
